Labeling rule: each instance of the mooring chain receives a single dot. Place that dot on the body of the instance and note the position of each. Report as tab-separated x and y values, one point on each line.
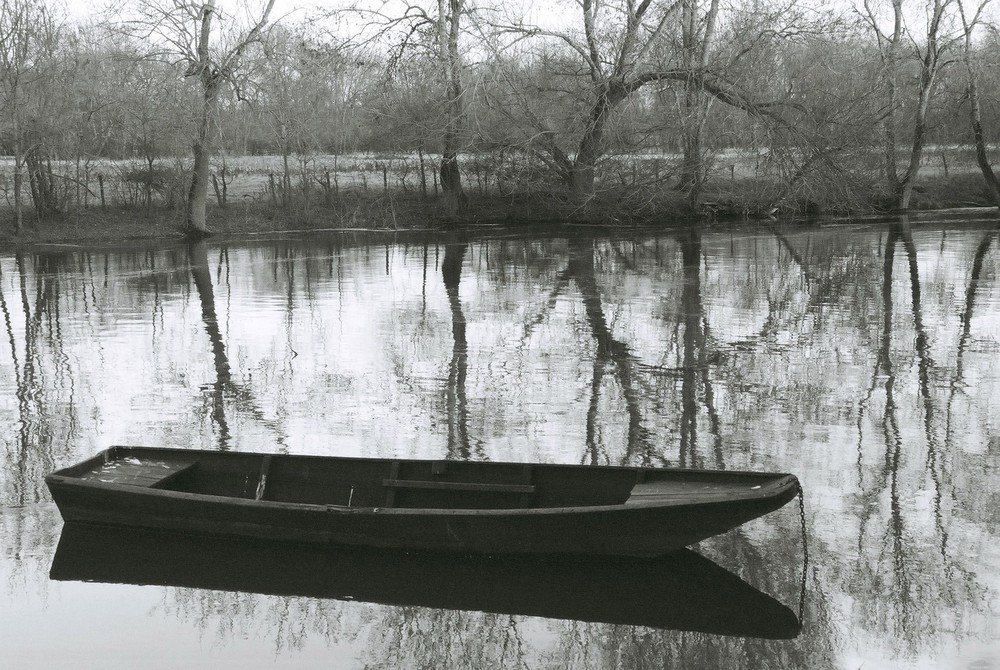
805	552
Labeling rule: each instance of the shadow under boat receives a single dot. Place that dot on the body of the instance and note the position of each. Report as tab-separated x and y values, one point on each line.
681	591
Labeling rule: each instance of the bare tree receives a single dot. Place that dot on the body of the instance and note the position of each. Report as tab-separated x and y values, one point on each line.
697	35
411	28
929	52
181	31
28	37
309	96
449	26
889	45
616	49
969	24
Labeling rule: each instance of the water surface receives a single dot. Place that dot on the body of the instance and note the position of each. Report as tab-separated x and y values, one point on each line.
865	359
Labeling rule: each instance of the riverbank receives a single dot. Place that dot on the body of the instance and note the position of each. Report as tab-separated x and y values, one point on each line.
364	211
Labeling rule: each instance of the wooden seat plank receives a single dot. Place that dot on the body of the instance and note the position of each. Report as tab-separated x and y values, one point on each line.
457	486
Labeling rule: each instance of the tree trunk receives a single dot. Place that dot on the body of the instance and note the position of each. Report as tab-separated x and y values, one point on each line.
692	175
928	71
982	158
975	113
286	171
149	184
582	181
195	223
18	181
449	23
197	205
905	189
423	173
890	63
696	106
41	182
451	183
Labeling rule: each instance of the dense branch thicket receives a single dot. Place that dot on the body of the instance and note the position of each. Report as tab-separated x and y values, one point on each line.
633	106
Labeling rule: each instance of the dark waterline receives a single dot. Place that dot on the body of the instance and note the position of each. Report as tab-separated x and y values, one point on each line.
864	359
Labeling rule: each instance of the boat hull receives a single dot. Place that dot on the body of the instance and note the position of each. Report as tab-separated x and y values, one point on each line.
641	528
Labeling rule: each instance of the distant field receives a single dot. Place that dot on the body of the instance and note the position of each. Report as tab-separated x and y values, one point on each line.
124	182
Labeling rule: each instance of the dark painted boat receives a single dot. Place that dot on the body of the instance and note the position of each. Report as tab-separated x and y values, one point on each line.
680	591
490	508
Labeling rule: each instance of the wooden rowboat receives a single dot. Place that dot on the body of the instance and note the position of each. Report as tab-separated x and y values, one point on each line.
681	591
478	507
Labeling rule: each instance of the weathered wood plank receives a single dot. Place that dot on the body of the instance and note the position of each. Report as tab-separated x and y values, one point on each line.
685	491
457	486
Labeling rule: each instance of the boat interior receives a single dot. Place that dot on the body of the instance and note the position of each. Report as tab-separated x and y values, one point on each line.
366	483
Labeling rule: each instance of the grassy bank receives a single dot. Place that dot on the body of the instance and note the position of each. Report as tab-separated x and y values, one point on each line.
408	210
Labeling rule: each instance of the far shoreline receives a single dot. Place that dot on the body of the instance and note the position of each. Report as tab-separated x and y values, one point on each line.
368	214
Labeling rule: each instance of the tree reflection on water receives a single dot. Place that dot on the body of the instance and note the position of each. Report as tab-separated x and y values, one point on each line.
863	359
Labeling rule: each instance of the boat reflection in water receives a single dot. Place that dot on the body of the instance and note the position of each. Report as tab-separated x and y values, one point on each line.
681	591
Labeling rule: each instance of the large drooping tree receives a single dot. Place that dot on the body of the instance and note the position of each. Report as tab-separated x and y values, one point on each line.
182	32
619	48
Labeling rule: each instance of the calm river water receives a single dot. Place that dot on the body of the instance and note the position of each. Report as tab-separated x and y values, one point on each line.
863	358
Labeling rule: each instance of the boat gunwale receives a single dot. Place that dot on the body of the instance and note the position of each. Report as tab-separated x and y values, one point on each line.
769	494
778	485
106	455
